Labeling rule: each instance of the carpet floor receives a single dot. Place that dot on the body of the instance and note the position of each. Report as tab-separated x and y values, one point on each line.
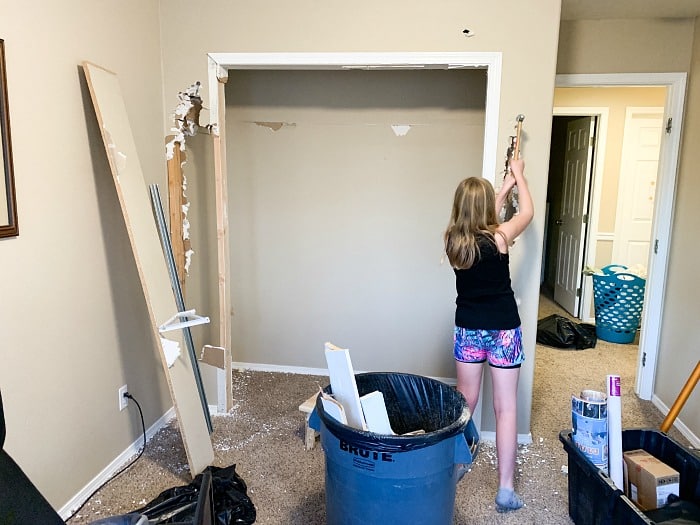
263	435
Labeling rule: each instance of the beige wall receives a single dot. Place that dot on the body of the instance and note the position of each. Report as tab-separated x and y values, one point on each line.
625	46
336	221
74	320
678	349
658	46
397	26
75	324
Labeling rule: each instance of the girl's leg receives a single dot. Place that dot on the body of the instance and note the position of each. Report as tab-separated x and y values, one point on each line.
505	387
469	382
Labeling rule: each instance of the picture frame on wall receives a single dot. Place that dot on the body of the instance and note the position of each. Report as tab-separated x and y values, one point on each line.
8	205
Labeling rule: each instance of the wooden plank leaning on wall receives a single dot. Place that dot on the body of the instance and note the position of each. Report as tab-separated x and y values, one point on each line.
132	192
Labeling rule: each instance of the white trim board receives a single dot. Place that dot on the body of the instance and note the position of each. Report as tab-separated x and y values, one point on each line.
117	463
675	84
221	64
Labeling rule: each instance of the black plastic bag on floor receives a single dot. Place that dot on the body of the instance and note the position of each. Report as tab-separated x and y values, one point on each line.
561	332
232	506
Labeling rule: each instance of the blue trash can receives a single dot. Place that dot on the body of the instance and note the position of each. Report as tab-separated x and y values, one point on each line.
618	297
385	480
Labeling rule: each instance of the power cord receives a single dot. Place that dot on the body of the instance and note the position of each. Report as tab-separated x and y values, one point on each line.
138	456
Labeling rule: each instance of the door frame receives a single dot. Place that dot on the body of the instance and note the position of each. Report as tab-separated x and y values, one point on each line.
223	64
595	184
663	207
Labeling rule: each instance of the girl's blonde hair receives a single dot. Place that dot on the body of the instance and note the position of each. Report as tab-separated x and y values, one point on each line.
473	216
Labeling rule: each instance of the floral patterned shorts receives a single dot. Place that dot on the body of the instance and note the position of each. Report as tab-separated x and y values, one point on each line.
502	348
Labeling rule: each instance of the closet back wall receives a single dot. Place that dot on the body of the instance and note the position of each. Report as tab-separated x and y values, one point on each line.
340	186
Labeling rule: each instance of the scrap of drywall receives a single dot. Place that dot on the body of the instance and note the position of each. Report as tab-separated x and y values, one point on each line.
171	350
376	416
214	356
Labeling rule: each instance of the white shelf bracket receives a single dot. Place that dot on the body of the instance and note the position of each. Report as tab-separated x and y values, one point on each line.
182	320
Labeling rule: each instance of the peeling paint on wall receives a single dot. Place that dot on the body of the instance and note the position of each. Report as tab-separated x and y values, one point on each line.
118	158
274	126
186	118
400	130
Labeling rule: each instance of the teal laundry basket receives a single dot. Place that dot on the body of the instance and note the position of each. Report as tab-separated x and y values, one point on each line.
619	298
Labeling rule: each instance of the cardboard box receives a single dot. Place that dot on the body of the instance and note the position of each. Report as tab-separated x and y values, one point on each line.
649	481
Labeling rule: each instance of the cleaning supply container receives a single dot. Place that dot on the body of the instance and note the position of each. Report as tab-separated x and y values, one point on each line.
618	297
385	479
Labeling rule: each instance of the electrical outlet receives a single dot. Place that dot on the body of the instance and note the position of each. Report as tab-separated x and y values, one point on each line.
123	401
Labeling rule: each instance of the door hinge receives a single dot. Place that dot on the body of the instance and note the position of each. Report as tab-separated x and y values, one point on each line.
591	141
644	359
578	292
656	246
585	218
669	125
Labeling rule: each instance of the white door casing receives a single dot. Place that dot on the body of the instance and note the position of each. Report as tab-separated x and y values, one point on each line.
220	64
663	209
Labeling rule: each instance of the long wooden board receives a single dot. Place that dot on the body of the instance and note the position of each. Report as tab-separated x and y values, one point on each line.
150	261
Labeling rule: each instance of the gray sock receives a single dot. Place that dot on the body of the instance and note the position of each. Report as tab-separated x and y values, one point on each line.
507	500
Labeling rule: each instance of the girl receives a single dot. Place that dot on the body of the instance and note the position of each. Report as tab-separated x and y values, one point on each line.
487	324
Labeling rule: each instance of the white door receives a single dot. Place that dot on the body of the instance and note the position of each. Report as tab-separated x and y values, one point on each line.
570	225
639	166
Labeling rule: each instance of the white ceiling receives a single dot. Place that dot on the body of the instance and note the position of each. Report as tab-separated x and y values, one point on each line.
598	9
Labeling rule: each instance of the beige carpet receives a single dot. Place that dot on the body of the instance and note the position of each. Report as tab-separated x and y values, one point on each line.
263	436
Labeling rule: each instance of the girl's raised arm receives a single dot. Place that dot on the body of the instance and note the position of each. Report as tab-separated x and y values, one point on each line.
517	224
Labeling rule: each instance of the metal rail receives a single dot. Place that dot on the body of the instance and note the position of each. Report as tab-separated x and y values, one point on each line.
177	290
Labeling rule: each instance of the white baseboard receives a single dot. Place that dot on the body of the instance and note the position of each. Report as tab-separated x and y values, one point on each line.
262	367
110	470
682	428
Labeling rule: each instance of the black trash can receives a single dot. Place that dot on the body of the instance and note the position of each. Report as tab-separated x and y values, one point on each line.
387	479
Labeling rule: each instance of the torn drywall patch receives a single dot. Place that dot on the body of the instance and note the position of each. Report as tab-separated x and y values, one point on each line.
274	126
188	259
186	118
185	221
400	130
118	158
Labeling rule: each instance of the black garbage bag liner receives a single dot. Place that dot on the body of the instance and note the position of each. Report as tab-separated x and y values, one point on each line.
560	332
232	506
413	403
